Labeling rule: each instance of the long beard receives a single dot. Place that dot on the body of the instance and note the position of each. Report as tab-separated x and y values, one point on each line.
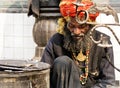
75	45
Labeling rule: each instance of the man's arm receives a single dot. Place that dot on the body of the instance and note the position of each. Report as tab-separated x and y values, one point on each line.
48	54
108	74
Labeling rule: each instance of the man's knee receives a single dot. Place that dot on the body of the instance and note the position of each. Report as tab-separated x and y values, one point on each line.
62	61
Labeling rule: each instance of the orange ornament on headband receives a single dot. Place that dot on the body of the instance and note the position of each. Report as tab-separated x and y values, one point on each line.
67	8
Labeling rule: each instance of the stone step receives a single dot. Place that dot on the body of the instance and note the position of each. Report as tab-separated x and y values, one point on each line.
13	3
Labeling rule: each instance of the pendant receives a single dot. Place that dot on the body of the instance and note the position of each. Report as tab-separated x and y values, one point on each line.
81	57
83	79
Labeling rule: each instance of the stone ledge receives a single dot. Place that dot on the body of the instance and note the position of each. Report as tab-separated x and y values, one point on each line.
13	10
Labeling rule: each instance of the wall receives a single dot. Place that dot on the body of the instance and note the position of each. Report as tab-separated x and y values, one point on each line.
16	41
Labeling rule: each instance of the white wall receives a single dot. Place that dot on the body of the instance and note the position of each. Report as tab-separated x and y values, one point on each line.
16	41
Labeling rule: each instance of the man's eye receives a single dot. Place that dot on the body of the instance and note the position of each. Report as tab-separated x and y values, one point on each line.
82	26
71	25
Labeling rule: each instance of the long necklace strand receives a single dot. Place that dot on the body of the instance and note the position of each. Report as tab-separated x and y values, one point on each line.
84	59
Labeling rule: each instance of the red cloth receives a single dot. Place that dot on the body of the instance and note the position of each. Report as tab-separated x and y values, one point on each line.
67	8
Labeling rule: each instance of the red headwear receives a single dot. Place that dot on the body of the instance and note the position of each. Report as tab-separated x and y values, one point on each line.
67	8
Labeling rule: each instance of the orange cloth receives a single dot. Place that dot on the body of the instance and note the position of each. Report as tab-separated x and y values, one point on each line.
67	8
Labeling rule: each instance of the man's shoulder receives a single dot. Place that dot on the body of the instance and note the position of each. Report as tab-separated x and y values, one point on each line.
57	38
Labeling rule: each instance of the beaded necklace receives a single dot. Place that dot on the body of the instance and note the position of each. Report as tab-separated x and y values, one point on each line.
84	59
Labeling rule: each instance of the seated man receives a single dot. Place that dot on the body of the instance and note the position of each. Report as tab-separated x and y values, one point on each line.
77	62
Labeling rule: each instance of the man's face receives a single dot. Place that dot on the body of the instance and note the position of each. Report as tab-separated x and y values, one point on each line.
77	30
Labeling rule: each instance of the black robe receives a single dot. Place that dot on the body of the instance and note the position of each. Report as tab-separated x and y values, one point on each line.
64	72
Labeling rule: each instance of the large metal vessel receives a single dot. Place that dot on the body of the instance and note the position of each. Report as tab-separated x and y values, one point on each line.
23	74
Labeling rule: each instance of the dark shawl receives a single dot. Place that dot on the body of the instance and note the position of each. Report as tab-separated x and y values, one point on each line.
97	62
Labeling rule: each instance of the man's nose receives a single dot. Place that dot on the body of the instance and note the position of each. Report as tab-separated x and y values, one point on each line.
77	31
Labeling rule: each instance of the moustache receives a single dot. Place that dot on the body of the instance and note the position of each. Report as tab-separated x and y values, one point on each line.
80	35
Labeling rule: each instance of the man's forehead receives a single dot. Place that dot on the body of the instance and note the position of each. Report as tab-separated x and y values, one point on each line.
74	22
